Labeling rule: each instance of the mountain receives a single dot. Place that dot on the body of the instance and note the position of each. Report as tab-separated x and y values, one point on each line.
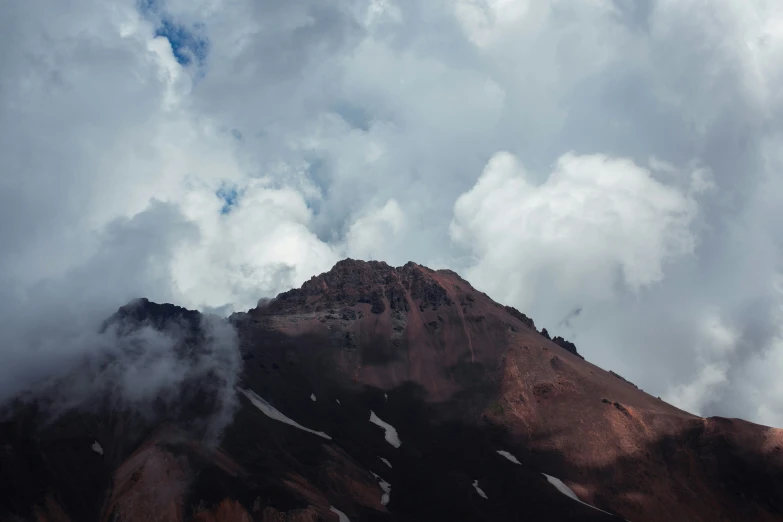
373	393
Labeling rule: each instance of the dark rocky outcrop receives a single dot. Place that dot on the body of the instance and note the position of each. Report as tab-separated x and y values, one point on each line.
159	316
522	317
571	347
623	379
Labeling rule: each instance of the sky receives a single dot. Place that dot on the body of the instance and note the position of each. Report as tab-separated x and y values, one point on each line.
610	168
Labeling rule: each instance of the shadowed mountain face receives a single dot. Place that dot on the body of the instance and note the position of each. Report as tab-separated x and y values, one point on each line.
375	393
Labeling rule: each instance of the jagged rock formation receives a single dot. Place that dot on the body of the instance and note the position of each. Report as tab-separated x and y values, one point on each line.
568	345
622	378
377	394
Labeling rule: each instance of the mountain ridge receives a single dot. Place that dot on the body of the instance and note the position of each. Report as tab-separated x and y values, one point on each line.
472	389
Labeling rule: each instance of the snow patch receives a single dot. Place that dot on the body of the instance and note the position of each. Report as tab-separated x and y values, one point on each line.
385	461
312	397
273	413
561	487
386	396
391	433
97	448
509	456
479	490
565	490
340	515
386	487
338	402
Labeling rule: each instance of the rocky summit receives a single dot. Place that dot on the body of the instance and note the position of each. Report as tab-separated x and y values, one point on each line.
372	393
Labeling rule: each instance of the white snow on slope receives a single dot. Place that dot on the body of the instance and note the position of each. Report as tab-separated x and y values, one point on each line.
391	433
386	487
273	413
338	402
479	490
342	516
509	456
312	397
385	461
565	490
97	448
561	487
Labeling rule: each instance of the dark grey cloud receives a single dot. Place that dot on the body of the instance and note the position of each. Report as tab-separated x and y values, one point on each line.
49	325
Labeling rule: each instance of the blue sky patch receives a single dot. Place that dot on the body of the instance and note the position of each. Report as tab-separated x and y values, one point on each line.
186	44
229	195
150	6
189	44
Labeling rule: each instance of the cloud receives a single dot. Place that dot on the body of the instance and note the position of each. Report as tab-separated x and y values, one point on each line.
260	247
213	153
159	371
376	234
43	323
595	225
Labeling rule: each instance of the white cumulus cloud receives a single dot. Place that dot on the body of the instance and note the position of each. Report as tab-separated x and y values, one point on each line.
596	224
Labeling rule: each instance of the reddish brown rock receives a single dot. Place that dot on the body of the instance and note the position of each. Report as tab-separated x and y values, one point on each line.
227	511
641	458
459	376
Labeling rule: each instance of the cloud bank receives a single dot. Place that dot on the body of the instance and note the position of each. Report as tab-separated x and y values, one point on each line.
610	168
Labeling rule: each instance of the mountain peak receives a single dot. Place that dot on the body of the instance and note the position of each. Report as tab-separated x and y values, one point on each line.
158	315
353	282
392	308
470	390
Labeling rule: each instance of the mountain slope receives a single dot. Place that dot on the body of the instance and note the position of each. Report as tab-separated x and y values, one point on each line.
381	393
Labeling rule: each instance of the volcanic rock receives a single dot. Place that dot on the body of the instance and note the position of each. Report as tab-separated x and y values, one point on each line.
472	392
571	347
